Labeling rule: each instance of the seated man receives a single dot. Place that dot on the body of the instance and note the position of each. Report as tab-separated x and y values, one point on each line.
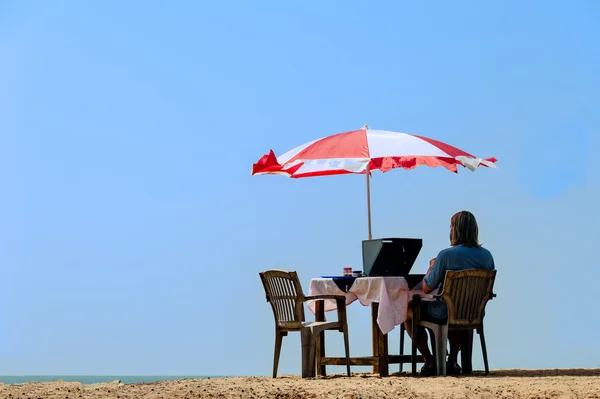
464	253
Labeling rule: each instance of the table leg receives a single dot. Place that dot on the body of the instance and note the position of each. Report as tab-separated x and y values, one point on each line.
402	330
375	333
320	316
383	354
380	344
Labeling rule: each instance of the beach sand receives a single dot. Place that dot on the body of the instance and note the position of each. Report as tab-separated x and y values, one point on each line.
561	383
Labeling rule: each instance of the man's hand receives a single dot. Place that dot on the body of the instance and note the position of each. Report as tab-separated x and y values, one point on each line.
426	289
431	262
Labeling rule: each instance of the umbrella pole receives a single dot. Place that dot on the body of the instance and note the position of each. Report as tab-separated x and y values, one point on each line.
369	201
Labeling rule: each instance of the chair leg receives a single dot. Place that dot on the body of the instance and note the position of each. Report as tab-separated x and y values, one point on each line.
347	348
466	351
278	339
308	352
432	338
441	340
402	330
484	350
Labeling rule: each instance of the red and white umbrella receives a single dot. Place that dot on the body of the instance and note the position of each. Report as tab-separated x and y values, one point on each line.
362	151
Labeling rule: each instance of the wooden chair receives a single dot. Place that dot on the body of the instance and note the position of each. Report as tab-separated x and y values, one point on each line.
285	295
466	294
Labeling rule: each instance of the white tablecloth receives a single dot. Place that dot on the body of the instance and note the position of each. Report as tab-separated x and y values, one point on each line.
391	293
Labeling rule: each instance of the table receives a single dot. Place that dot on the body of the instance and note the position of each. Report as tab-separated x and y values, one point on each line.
388	298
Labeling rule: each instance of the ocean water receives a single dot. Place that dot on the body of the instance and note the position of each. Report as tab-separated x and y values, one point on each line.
94	379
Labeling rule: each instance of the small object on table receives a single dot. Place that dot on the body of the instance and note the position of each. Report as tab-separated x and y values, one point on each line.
347	271
357	273
344	283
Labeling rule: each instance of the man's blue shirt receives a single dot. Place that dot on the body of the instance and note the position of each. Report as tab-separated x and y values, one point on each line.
455	258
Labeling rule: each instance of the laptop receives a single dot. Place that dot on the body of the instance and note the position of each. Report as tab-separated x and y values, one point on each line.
390	256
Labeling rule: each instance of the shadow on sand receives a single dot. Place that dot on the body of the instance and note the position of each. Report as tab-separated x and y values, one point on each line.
542	373
503	373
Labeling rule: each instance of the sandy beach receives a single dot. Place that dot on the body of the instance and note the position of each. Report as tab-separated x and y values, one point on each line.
562	383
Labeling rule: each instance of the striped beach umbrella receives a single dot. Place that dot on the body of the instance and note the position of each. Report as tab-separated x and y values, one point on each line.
363	151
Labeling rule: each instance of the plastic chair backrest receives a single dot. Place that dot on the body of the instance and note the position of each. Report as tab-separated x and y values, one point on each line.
285	295
466	294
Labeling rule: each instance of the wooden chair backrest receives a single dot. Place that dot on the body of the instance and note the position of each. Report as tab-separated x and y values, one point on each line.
285	295
466	293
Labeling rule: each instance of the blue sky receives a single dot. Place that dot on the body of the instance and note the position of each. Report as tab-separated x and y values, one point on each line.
132	232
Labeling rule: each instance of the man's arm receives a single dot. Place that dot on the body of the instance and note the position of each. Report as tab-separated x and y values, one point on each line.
436	272
426	289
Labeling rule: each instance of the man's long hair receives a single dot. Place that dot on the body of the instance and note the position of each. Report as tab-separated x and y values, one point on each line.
464	230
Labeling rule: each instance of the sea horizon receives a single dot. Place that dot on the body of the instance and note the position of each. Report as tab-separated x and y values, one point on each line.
95	379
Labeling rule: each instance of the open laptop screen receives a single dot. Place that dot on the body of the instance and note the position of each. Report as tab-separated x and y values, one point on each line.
390	256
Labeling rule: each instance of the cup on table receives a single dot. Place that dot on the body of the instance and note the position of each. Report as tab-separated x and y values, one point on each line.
357	273
347	271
